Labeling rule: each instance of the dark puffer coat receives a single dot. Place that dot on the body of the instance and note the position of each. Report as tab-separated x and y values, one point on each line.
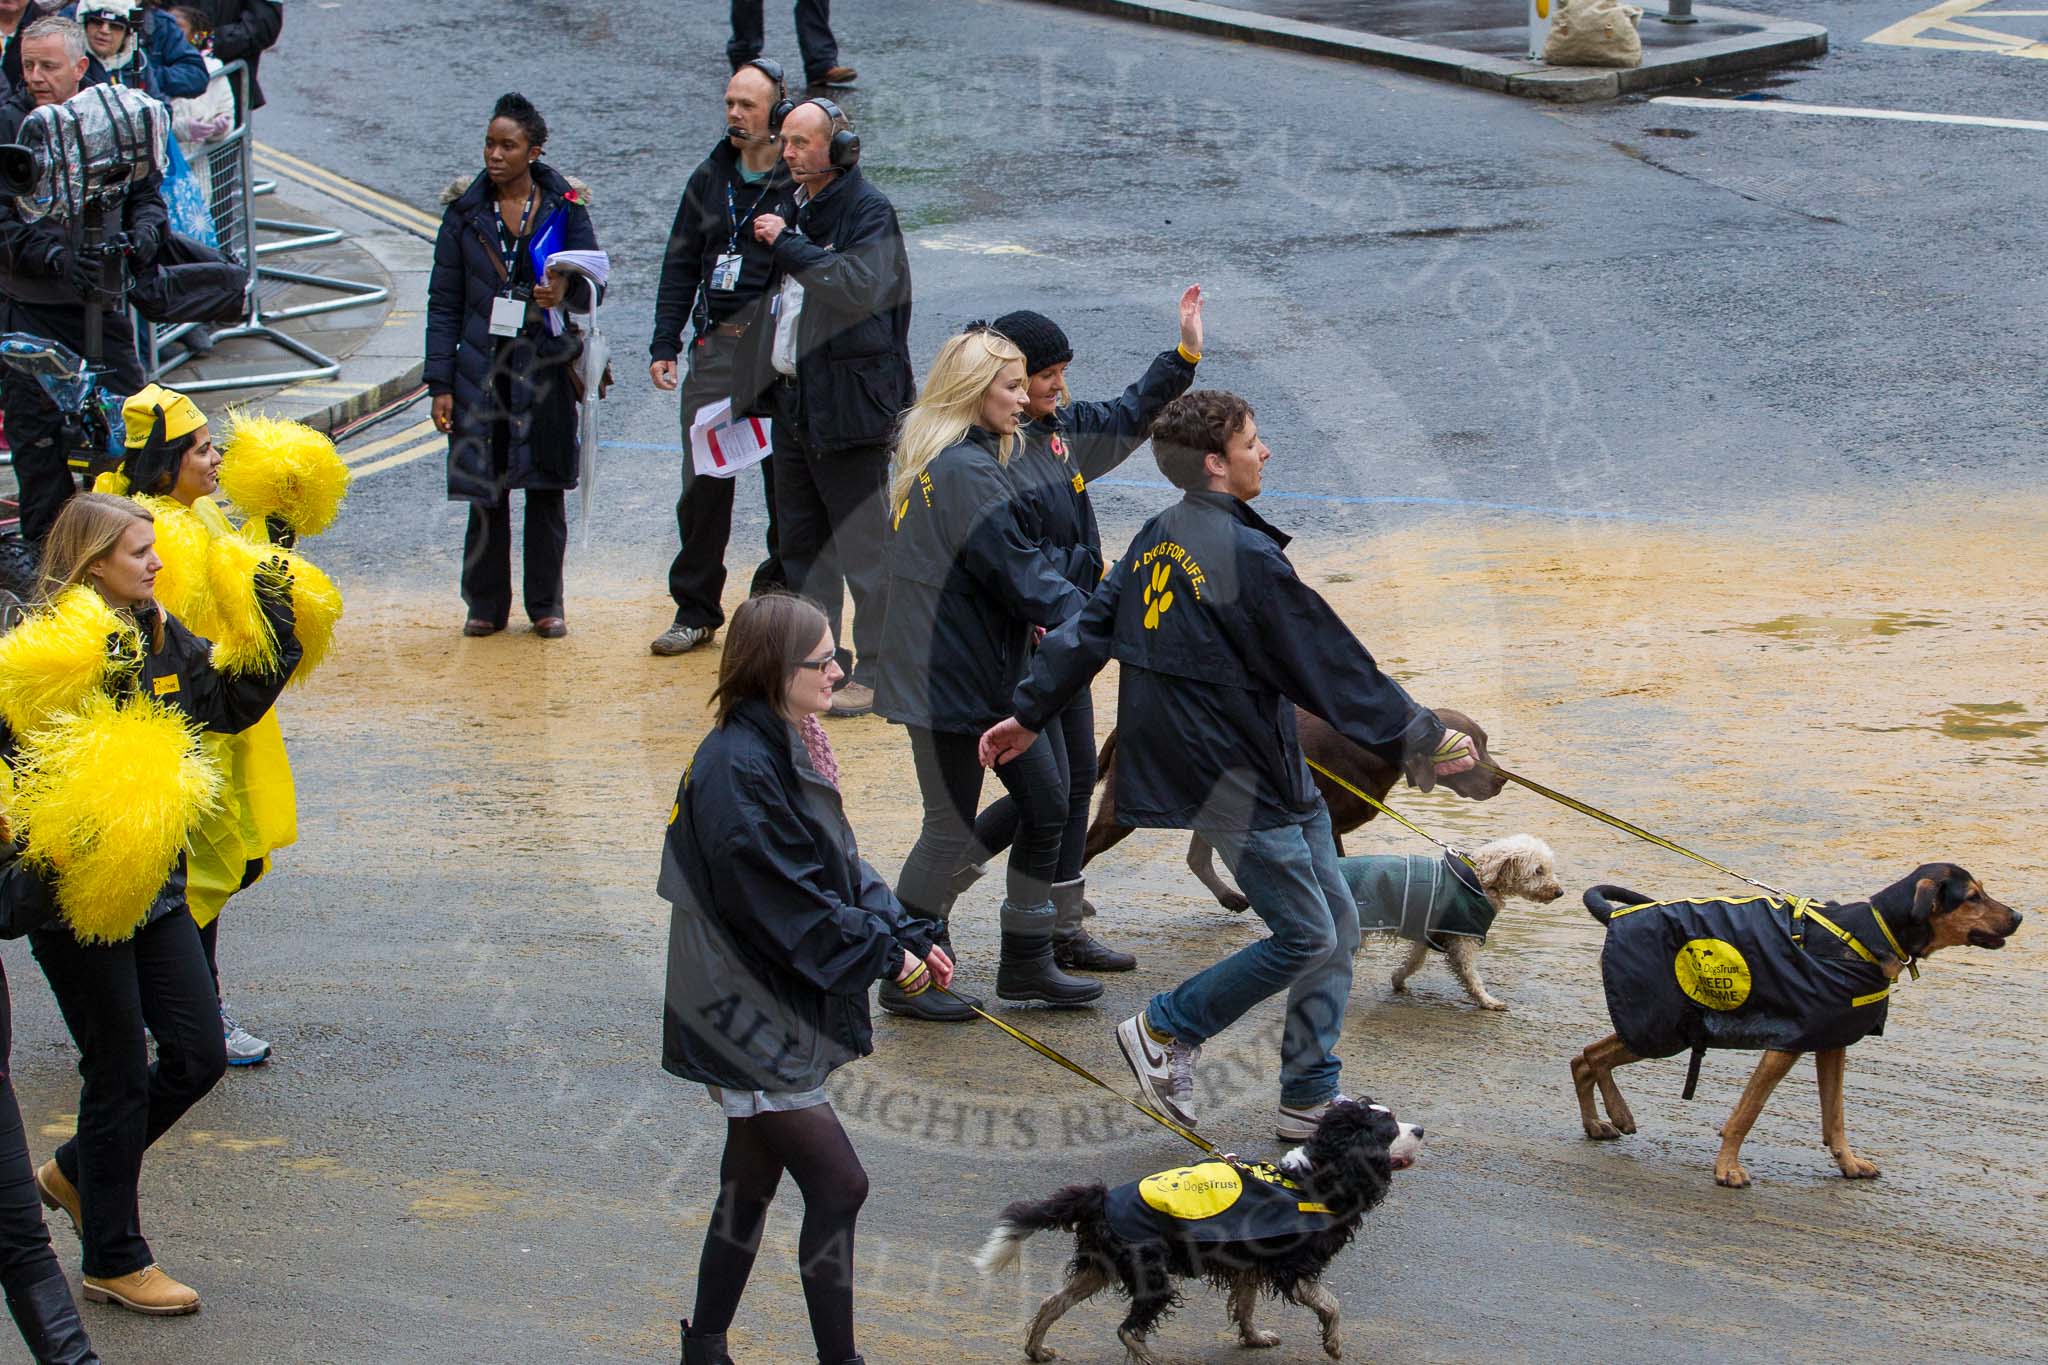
465	360
779	926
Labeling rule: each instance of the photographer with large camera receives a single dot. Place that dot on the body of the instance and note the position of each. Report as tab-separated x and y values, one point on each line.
56	284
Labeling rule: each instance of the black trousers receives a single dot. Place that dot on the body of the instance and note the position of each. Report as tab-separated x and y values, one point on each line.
704	512
997	826
35	428
832	524
949	774
25	1255
487	544
813	36
114	998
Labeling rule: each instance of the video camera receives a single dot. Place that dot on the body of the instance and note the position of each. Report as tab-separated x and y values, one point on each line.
74	164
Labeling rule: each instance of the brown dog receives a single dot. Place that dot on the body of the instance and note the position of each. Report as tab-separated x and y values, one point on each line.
1361	768
1756	972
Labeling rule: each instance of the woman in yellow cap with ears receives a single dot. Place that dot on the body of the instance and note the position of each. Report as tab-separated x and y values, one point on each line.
102	698
173	467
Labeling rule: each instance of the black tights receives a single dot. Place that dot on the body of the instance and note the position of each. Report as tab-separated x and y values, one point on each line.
811	1146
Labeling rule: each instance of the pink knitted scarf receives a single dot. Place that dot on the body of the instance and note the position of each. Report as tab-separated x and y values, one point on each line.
820	750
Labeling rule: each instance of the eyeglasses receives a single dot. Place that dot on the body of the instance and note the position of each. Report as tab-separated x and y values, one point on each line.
821	663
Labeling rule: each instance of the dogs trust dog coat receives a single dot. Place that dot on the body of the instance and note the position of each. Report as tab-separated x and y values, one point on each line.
1421	897
1752	972
1212	1202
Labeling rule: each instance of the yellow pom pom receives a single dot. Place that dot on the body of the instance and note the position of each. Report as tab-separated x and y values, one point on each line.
53	660
107	796
183	543
247	646
273	466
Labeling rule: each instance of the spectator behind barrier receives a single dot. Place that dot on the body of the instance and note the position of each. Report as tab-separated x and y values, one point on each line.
46	279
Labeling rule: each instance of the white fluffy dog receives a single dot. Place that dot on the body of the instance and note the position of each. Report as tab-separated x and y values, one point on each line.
1445	904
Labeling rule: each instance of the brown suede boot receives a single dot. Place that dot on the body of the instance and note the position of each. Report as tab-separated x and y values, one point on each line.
147	1291
58	1193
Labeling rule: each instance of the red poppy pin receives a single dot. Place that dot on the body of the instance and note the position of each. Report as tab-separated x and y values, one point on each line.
1059	447
579	195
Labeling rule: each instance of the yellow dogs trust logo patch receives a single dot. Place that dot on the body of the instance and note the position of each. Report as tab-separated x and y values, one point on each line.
165	686
1192	1192
1712	971
1158	597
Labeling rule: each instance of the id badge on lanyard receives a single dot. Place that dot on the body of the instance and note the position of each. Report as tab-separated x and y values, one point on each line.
508	310
725	271
508	315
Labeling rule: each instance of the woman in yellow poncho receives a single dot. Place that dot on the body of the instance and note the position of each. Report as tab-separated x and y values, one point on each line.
290	480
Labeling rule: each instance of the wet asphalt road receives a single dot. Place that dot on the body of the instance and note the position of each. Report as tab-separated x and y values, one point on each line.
1638	320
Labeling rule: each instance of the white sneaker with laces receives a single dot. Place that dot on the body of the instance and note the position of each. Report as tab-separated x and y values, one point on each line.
1165	1071
1299	1125
244	1047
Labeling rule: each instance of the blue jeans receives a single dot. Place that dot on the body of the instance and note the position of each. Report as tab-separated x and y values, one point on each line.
1290	875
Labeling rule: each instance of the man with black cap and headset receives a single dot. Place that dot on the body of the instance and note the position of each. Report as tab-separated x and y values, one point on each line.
713	277
828	361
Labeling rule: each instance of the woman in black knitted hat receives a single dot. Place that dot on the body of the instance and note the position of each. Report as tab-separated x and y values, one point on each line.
1066	444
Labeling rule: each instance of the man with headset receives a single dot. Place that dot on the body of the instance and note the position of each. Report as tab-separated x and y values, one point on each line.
712	278
829	364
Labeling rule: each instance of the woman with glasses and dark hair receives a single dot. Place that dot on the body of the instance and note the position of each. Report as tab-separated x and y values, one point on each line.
779	929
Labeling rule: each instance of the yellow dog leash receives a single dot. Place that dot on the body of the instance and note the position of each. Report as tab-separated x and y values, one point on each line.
1053	1054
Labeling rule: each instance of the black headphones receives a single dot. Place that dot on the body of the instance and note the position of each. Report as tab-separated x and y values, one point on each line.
772	69
845	145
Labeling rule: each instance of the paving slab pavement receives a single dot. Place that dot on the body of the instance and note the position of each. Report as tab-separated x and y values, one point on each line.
1484	42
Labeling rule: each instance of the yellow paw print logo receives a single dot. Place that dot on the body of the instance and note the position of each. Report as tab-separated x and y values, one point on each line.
1157	598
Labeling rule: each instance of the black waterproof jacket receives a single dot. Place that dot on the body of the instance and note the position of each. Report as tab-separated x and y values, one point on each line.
463	357
778	926
1219	641
853	373
30	271
1080	442
967	583
182	675
717	211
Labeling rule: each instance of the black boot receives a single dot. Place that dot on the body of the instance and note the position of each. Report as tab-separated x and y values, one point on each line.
705	1349
1027	971
932	1006
49	1323
1072	946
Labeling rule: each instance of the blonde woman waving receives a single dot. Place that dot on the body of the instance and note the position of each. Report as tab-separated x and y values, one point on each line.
968	590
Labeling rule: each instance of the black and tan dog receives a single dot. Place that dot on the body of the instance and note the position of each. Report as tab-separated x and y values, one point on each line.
1323	746
1247	1229
1762	972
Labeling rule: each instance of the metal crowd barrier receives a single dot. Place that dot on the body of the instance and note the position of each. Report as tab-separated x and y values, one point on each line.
233	190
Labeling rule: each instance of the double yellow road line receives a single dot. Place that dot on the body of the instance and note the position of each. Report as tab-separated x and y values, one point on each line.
394	211
405	447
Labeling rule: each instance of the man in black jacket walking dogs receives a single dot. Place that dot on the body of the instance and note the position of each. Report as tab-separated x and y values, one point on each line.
829	364
1219	641
712	278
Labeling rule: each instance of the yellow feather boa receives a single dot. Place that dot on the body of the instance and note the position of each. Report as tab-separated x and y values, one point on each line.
274	467
106	797
316	606
104	792
60	655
